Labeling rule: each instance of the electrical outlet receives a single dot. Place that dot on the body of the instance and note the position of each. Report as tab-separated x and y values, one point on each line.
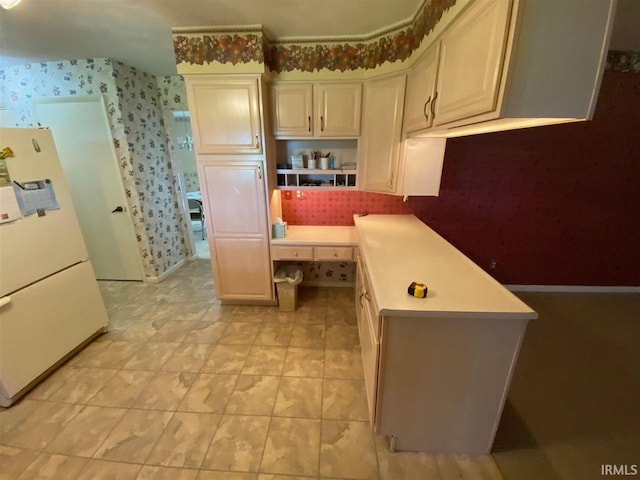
492	265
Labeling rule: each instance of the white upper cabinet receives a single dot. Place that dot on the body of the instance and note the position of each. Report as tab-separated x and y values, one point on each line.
381	134
292	104
329	110
225	114
337	109
387	163
471	57
505	64
421	89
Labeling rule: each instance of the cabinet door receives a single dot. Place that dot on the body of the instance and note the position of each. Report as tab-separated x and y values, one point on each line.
471	59
381	134
337	109
237	223
225	115
292	104
369	344
244	270
421	88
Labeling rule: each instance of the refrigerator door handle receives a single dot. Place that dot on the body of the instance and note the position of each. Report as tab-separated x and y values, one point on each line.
5	301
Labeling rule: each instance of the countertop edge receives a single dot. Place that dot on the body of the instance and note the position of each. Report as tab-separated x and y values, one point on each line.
519	310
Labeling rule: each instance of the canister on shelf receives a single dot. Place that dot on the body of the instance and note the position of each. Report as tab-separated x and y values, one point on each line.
297	162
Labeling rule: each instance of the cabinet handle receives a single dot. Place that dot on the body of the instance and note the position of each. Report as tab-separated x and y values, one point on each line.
367	296
309	122
260	172
295	254
321	123
335	254
257	142
433	106
391	180
424	110
360	300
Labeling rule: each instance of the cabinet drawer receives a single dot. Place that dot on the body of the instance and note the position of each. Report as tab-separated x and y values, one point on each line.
280	252
334	254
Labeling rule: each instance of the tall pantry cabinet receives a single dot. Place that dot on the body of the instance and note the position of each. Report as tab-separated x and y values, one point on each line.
229	138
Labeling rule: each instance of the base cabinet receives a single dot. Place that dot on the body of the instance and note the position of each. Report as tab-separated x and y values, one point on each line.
243	273
435	384
236	212
369	345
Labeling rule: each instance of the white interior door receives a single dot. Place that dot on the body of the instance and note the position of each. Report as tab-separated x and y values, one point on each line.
85	146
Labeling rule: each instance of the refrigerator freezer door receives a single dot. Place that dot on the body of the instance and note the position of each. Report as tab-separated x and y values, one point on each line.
37	246
42	323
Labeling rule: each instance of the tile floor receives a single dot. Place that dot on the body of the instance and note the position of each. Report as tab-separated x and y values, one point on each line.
184	388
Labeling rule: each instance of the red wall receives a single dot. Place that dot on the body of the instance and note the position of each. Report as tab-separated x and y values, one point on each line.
554	205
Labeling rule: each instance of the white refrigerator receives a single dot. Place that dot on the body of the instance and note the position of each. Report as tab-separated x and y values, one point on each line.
50	303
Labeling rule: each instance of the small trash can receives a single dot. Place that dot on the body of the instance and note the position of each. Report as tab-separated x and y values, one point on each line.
287	279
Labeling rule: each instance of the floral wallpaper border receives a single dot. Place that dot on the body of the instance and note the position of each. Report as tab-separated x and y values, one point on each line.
233	48
623	62
199	46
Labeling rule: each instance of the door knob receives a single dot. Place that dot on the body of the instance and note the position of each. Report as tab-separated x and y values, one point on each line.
117	209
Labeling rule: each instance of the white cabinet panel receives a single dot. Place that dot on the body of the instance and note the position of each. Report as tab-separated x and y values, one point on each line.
244	268
337	109
225	115
236	217
381	134
334	254
292	108
292	253
471	59
235	196
421	90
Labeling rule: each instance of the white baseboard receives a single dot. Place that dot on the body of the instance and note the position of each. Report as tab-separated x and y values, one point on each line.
573	288
164	275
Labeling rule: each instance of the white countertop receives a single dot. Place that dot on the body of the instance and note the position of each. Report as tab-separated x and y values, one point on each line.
399	249
318	235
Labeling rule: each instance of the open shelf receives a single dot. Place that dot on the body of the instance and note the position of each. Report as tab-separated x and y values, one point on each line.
315	179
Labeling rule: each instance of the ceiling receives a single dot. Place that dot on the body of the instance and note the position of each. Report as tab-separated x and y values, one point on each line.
138	32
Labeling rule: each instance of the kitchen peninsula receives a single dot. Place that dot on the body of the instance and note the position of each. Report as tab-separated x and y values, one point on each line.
437	369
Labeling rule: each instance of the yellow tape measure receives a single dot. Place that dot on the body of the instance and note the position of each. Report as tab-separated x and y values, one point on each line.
418	290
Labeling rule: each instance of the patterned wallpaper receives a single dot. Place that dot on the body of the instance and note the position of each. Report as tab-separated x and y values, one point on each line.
553	205
191	181
173	95
154	174
137	129
199	46
625	62
326	273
